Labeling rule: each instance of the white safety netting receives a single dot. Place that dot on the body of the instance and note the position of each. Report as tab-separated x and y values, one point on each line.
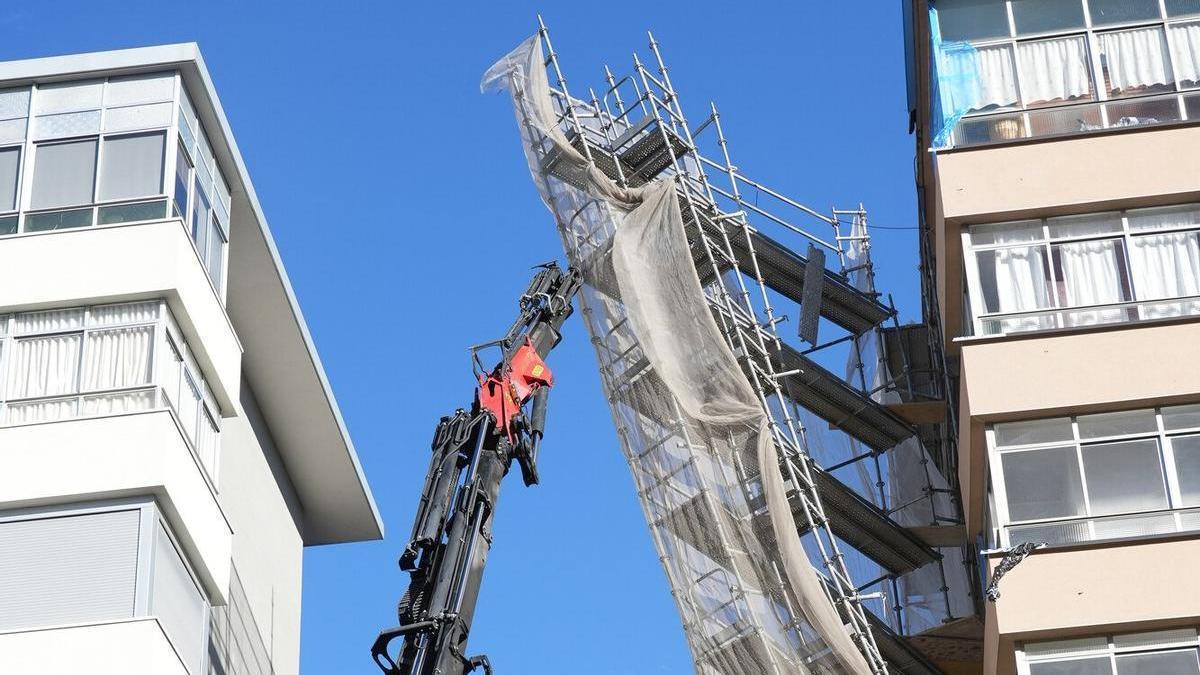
693	429
914	489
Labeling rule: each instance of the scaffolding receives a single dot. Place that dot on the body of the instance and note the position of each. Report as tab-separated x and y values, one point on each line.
862	455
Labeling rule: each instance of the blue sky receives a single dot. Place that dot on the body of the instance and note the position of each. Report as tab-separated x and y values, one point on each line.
407	221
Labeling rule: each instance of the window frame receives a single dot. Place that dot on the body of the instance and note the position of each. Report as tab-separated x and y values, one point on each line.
1000	534
1169	640
1100	97
1135	308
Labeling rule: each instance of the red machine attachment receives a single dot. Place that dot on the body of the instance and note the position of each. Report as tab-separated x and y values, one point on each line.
503	391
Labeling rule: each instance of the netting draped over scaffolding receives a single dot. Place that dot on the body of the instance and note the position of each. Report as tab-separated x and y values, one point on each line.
917	491
685	408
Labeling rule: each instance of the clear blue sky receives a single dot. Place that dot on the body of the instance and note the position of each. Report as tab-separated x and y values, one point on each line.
407	221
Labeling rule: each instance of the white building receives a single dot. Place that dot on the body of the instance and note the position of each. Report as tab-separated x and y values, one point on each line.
168	440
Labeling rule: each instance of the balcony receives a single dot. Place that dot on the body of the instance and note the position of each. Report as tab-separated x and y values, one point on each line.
154	259
122	455
1006	71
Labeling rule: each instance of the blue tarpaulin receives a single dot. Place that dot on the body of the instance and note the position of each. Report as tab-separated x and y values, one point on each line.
955	70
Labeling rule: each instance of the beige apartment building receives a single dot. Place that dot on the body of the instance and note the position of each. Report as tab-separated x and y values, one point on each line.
1058	176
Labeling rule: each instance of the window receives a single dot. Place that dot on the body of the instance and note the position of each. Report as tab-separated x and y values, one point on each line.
201	210
1182	7
10	163
14	114
186	392
205	200
10	171
86	564
105	360
177	601
1135	62
1084	270
68	569
1108	12
183	172
1026	59
215	257
972	19
1169	651
133	166
1043	16
1097	477
64	174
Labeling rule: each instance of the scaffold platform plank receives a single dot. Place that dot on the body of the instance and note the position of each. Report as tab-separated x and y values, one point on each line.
867	528
815	388
852	518
646	157
902	657
782	269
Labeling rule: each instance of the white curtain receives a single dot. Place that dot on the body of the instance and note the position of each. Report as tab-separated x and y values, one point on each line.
50	321
189	407
117	358
1185	52
40	411
1091	276
131	312
44	366
170	369
1167	266
206	443
1053	70
1135	58
997	79
1021	286
115	404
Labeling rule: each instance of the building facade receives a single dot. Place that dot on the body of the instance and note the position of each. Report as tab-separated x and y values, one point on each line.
169	441
1058	175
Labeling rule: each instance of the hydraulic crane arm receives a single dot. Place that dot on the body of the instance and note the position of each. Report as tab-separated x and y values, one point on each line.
472	452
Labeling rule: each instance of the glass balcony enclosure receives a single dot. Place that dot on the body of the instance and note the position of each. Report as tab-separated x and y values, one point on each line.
1095	477
1046	67
1083	270
99	153
105	360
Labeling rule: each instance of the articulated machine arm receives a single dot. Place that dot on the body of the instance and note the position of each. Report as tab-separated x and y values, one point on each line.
472	452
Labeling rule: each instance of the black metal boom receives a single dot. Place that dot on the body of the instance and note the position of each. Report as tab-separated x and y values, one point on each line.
472	452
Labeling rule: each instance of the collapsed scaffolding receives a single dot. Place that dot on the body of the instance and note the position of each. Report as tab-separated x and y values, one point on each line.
865	492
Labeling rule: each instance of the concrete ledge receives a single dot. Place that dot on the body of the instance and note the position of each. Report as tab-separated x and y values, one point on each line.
108	457
1057	594
1097	171
133	647
127	262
